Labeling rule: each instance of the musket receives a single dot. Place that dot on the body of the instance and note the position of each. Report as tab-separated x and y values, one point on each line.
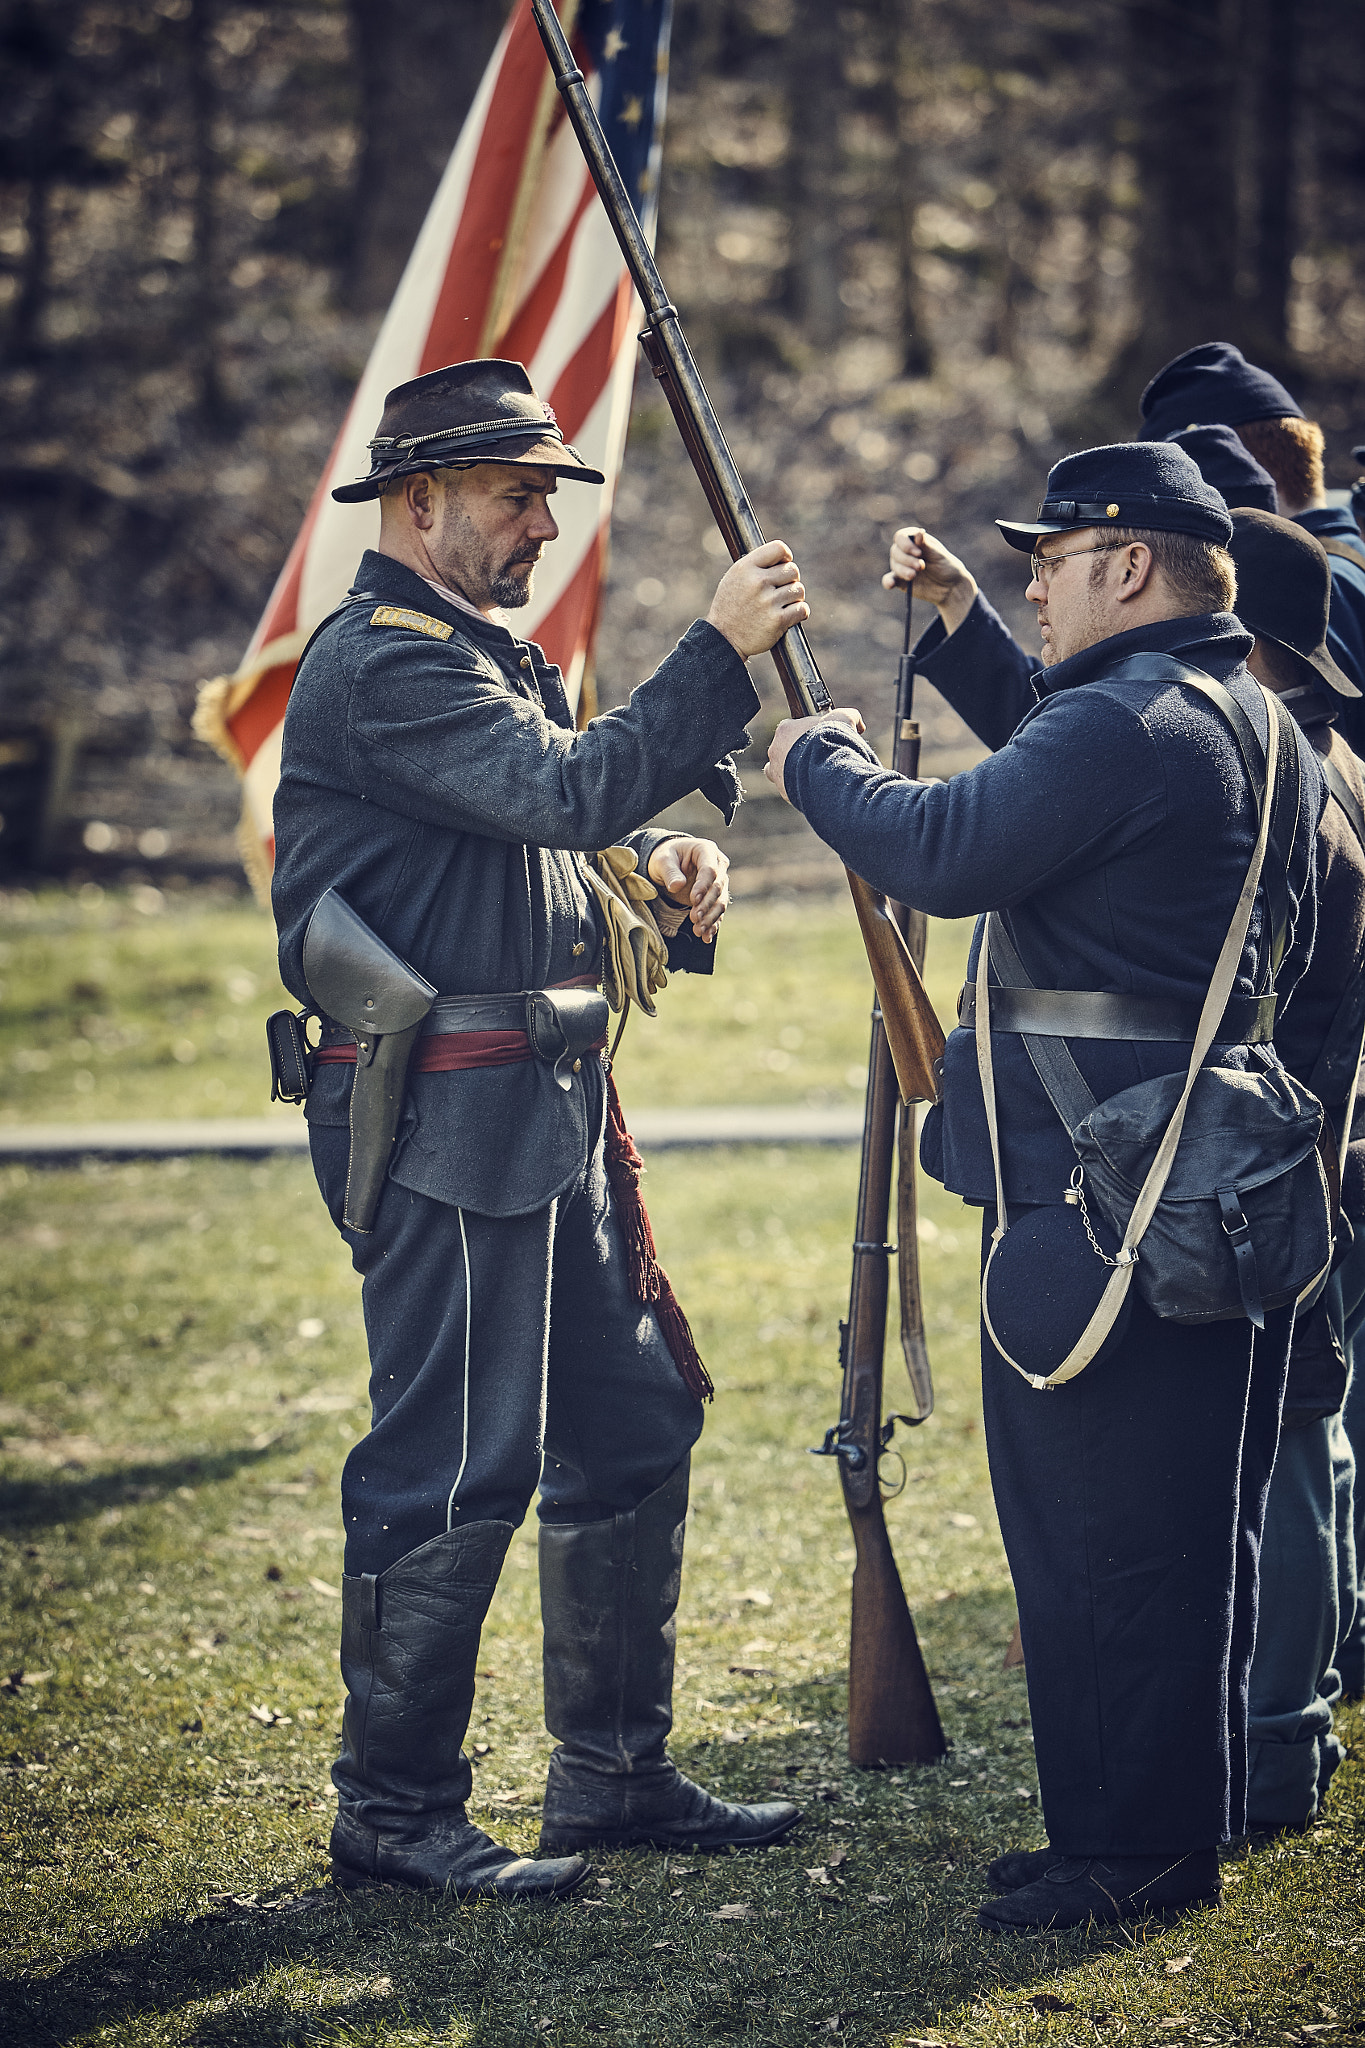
914	1032
892	1718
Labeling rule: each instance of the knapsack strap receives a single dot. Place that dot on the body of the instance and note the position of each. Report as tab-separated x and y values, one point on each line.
1284	821
1149	1194
1342	549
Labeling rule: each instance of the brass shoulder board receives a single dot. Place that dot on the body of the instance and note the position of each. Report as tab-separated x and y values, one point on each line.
416	622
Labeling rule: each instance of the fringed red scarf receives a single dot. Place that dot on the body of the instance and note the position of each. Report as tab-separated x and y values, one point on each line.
648	1281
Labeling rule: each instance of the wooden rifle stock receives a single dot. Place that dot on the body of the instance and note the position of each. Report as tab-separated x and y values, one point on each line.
892	1718
913	1030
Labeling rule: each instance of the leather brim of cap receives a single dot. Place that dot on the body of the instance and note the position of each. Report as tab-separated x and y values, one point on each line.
1023	537
555	455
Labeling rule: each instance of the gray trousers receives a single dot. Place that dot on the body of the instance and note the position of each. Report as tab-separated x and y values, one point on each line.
506	1353
1307	1591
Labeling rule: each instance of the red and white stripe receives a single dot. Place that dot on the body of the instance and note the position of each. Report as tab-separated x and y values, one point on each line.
572	321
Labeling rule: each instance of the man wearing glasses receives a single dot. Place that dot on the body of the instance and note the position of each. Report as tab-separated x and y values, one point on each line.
1112	827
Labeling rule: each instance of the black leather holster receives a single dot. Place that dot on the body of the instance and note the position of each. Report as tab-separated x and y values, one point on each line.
355	978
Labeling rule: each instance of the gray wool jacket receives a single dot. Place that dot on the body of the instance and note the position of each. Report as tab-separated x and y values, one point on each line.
438	784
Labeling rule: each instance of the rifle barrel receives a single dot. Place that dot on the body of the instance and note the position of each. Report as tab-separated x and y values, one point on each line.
915	1035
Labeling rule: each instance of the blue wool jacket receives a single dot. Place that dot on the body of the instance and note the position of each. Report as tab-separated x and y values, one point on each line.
1113	823
1346	613
440	787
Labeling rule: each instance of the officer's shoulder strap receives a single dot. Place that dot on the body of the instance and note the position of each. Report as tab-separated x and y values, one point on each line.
414	622
1343	551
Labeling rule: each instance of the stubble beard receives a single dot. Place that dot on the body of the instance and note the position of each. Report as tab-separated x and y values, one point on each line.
510	588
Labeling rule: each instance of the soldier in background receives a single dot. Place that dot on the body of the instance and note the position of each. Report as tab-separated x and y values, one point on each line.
1215	384
1308	1621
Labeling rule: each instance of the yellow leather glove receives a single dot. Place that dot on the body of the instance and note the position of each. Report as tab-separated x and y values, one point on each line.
634	956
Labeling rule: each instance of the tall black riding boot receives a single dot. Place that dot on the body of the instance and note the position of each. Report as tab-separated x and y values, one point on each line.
409	1645
609	1596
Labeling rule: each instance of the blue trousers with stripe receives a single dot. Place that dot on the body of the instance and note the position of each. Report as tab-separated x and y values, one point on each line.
506	1354
1131	1502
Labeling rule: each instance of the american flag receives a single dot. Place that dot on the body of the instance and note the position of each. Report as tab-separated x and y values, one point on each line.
516	259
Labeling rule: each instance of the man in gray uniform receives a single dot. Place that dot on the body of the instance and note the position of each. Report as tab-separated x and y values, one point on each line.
433	779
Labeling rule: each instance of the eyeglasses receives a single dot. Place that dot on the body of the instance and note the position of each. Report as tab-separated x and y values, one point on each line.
1043	565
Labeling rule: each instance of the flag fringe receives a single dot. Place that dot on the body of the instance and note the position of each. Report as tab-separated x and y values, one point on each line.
210	725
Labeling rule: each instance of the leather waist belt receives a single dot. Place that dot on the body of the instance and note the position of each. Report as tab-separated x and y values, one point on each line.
1093	1013
460	1033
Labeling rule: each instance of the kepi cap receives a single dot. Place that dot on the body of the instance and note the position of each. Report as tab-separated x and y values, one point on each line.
1223	460
481	411
1212	385
1150	485
1284	583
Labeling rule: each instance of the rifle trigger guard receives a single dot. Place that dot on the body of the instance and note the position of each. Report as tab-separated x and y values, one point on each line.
890	1492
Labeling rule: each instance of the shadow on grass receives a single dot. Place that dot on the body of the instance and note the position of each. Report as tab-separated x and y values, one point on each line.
30	1504
889	1944
425	1964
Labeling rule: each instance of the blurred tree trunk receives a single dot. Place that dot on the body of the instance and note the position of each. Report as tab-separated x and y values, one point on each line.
419	67
1181	67
814	79
32	153
1274	39
895	26
206	295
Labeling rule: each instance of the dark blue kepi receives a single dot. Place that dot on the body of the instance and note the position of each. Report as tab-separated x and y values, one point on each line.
1224	461
1213	384
1151	486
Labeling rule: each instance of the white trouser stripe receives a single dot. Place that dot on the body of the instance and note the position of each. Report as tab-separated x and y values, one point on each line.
468	1325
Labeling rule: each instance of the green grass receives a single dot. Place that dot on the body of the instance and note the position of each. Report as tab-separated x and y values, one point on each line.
183	1370
138	1004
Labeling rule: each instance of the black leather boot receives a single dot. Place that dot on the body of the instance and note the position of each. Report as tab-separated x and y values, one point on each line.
1011	1872
1075	1890
609	1596
409	1645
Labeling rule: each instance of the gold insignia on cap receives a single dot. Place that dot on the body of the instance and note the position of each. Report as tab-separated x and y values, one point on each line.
416	622
1111	511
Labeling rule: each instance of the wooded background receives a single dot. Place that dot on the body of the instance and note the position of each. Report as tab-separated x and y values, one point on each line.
921	248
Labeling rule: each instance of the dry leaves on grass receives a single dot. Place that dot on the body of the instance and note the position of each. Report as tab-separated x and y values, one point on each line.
1048	2001
17	1680
268	1717
1175	1964
738	1909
